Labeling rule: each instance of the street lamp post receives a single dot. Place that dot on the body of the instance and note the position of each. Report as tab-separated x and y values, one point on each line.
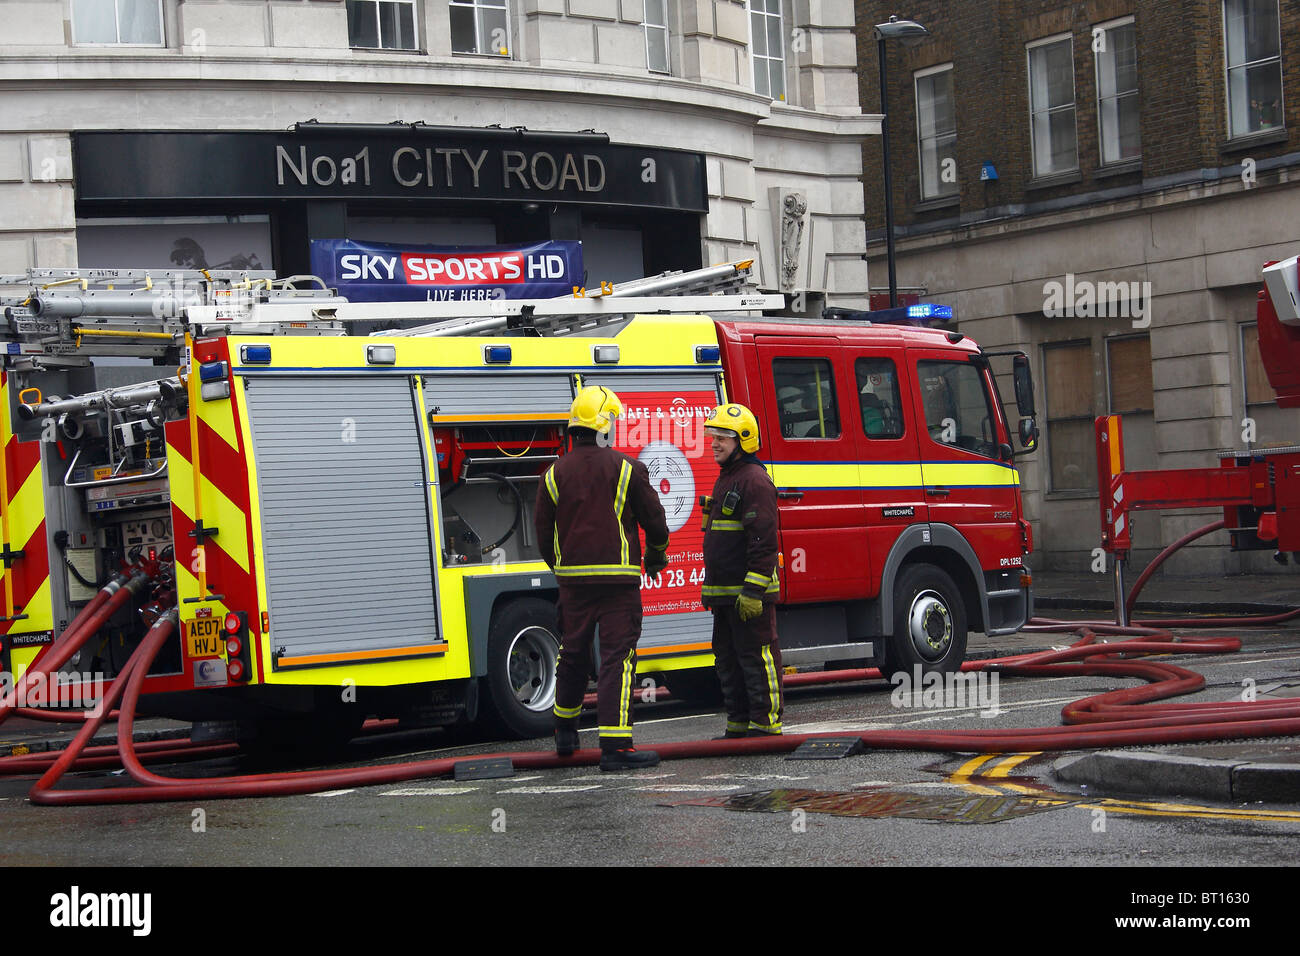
882	32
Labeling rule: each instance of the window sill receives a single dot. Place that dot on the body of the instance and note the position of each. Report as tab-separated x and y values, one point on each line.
1056	179
387	50
1265	138
941	202
1118	169
485	56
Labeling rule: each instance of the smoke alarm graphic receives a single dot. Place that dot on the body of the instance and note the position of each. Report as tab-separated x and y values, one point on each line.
670	476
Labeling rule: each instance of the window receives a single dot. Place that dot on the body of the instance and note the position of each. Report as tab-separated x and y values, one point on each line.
957	407
767	48
1128	365
1068	382
1254	378
480	26
882	409
936	132
381	24
805	398
656	35
135	22
1117	92
1253	58
1051	106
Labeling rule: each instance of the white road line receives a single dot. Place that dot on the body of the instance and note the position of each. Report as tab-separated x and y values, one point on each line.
605	777
553	789
324	793
428	791
665	720
752	776
687	788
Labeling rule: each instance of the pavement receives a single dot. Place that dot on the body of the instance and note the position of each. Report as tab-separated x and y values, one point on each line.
1244	771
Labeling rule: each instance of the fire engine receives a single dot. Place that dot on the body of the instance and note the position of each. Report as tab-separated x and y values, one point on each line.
342	522
1258	489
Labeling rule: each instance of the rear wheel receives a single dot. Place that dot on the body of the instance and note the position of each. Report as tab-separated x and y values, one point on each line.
523	648
929	623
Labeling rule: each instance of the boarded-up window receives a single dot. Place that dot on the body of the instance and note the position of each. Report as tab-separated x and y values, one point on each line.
1071	396
1258	391
1129	363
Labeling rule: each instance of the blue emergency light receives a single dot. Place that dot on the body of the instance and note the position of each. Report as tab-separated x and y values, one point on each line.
496	354
928	310
704	354
213	371
923	313
255	354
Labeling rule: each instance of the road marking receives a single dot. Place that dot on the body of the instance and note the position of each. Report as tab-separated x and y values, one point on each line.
325	793
833	726
428	791
1142	808
1007	764
552	789
687	788
665	720
753	776
963	774
605	778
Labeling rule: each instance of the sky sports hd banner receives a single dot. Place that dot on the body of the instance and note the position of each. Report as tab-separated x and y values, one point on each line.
391	272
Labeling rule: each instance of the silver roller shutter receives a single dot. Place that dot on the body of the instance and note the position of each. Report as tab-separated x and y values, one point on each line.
345	517
494	393
686	627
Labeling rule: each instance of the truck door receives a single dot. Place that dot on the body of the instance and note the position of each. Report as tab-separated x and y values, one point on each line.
808	404
893	495
968	485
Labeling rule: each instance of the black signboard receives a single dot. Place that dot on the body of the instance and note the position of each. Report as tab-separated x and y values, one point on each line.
402	162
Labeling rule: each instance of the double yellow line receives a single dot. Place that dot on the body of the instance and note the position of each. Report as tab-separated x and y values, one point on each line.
986	767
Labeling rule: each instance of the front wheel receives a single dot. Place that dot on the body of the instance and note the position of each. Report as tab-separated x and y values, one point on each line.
523	648
929	626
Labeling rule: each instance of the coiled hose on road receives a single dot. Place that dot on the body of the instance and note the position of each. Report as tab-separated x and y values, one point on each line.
1122	717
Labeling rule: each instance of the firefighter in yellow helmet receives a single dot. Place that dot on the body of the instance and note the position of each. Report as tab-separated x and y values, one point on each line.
589	506
740	576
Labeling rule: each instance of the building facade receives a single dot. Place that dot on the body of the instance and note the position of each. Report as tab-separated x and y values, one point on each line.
1099	184
664	134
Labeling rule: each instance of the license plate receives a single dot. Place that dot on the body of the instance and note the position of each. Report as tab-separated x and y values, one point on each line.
203	637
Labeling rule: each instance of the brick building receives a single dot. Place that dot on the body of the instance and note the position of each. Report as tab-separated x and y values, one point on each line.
1099	183
232	132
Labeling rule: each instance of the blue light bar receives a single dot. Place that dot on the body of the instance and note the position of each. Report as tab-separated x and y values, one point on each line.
707	353
496	354
255	354
213	371
928	310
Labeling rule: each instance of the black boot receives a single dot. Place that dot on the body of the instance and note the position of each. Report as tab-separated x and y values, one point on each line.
620	755
566	737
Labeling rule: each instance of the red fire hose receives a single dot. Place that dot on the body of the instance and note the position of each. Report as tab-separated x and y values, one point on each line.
1121	717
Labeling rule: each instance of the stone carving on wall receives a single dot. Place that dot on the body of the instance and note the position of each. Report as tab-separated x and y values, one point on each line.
794	207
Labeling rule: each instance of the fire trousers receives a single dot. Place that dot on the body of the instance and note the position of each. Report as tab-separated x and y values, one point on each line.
616	608
749	668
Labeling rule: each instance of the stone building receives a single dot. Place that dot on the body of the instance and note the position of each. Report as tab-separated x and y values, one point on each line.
662	133
1099	183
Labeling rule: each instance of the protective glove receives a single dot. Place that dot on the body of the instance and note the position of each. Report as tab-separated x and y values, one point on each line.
748	607
706	502
656	559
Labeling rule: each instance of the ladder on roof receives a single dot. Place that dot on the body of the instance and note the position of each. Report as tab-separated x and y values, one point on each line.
719	288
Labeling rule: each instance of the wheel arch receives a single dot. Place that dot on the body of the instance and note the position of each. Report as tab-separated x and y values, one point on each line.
943	546
484	595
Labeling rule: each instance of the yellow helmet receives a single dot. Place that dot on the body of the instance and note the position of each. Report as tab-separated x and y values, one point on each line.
596	407
739	421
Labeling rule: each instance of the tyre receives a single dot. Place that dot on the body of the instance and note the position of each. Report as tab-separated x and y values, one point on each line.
523	647
929	627
697	685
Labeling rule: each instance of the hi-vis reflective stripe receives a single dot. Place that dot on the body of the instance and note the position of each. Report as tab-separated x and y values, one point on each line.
773	691
229	558
625	690
620	731
620	499
26	584
970	474
758	580
603	570
726	524
555	500
567	712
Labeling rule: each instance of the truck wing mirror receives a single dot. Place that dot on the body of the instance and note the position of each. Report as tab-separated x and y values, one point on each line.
1028	434
1024	382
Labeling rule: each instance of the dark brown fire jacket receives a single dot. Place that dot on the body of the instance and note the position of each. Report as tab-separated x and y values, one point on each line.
588	508
740	548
